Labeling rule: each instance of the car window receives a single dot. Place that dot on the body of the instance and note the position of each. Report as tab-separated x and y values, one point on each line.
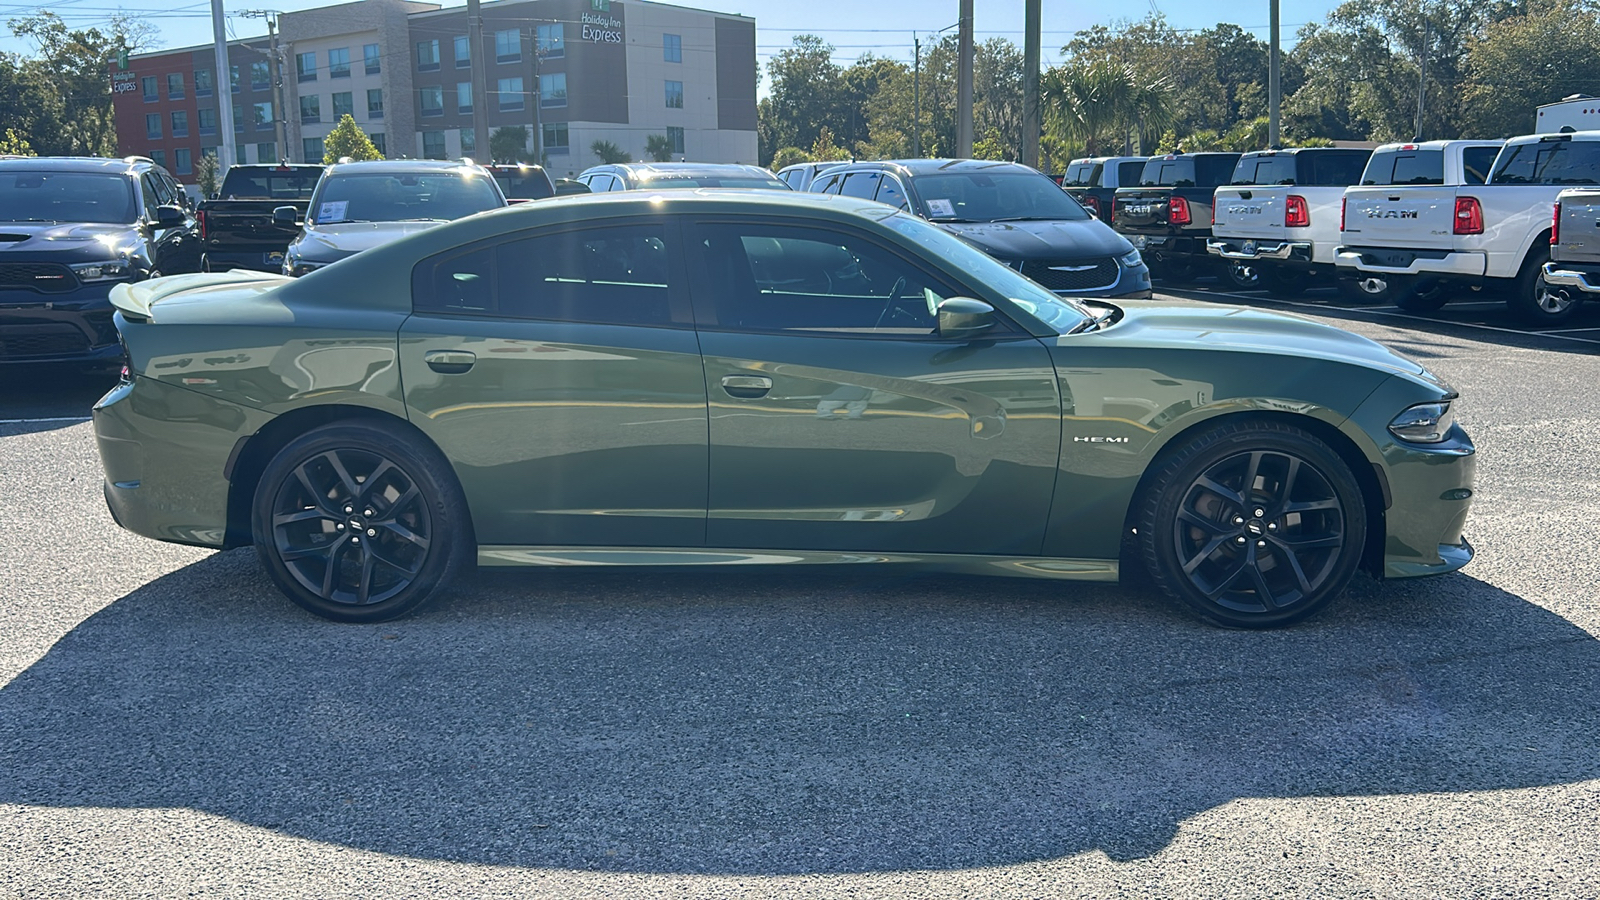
1264	170
827	184
162	189
600	183
152	199
1174	172
88	197
256	184
890	192
860	184
1477	161
1389	167
995	196
1128	172
617	275
799	280
403	196
1337	168
1083	174
1549	162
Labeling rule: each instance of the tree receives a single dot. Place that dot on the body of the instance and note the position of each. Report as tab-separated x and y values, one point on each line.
206	175
69	94
789	156
14	144
805	92
1548	52
610	153
1104	101
347	139
824	150
658	147
508	144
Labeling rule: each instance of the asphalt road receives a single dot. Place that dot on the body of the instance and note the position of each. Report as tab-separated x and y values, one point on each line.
170	726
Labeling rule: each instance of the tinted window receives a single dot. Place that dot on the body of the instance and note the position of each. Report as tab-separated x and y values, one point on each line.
860	184
403	196
992	196
1274	169
890	192
1082	175
1178	172
243	184
1549	162
67	197
1477	161
612	275
669	182
1214	169
518	185
1128	172
1337	168
1405	167
826	184
773	278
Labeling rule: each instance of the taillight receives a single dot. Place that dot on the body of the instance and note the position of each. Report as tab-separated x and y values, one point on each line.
1092	203
200	219
1295	212
1555	226
1178	212
1469	216
1342	202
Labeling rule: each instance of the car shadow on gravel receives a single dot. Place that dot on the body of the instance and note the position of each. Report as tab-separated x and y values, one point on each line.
763	722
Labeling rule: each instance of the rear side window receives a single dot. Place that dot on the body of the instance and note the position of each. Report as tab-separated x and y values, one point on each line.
1337	168
1477	161
860	184
1405	167
827	184
890	192
1176	172
1128	172
1213	170
1549	162
1274	169
1082	175
614	275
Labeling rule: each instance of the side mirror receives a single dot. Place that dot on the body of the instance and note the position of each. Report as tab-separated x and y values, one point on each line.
963	318
170	216
286	216
215	194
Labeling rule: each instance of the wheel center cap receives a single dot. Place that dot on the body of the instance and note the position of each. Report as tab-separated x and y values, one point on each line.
1255	527
357	524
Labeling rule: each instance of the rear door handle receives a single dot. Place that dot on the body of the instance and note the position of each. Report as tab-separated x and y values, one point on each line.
746	387
450	362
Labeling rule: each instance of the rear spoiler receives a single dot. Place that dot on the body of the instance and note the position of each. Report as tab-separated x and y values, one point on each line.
136	301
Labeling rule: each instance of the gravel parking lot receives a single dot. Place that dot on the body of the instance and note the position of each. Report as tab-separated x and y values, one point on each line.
171	726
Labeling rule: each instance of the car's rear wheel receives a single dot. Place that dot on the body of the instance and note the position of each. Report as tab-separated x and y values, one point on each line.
1241	276
359	522
1418	295
1536	301
1252	525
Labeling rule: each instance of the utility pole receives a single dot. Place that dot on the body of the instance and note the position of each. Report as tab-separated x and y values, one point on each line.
480	87
1032	16
964	83
537	96
916	97
1422	76
275	59
1275	62
223	89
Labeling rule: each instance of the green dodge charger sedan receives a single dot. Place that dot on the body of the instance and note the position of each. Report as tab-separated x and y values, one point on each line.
717	377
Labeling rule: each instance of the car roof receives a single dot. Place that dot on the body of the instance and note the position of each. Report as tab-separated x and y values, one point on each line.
384	166
1440	145
77	164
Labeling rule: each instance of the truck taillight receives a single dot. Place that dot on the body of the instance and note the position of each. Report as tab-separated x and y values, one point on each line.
1296	214
200	219
1092	204
1469	216
1342	202
1555	225
1178	212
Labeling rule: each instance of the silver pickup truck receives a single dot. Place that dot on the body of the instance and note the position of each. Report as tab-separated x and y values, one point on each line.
1573	273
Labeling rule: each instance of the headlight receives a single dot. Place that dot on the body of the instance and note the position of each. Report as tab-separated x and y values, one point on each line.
1131	259
1425	423
295	268
102	271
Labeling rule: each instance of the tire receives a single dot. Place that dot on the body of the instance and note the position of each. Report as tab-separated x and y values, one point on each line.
1534	301
1416	295
1285	283
1241	276
1205	545
360	522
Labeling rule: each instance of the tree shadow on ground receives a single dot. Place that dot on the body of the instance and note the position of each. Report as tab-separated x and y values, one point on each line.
779	722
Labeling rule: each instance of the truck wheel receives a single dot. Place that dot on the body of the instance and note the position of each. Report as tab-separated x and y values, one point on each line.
1241	276
1417	295
1286	282
1534	300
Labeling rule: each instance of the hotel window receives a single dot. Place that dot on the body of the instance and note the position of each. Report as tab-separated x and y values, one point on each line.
374	103
175	86
233	79
675	95
672	47
151	92
675	138
238	117
343	105
553	89
428	56
311	149
159	157
182	161
511	94
260	76
267	152
180	123
208	151
202	82
208	121
552	41
508	46
263	115
379	142
310	109
373	57
339	62
469	142
555	137
431	100
433	145
463	52
152	126
464	96
238	152
305	66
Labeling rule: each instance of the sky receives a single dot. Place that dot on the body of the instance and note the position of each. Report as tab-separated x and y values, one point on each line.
854	27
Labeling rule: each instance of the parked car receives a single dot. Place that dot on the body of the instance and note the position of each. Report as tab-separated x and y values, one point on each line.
1277	222
1572	275
361	205
728	377
239	228
1167	215
1093	180
1013	212
523	182
800	175
668	175
71	229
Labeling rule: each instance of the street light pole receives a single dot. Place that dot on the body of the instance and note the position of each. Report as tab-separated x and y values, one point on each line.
223	87
1273	99
964	83
1032	17
480	87
916	97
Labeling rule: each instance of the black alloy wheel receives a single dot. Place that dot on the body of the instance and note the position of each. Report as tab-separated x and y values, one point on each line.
1253	525
359	523
1241	276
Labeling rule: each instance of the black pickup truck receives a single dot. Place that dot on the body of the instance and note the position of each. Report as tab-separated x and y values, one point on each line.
236	226
1167	215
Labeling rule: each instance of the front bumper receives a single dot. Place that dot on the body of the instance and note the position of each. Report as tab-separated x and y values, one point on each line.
1581	278
1251	250
1399	261
70	327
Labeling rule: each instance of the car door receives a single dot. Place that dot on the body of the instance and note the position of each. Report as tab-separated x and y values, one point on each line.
559	371
841	420
176	249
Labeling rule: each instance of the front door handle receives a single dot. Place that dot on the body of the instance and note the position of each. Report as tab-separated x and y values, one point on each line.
746	387
450	362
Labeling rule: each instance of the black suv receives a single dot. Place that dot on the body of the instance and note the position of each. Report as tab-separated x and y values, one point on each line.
1012	212
70	230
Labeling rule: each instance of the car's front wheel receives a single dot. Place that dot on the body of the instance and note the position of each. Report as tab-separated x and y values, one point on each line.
1252	525
358	522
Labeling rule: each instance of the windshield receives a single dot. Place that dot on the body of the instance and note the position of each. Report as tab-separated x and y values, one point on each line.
1558	161
243	184
995	197
1083	174
1060	313
403	196
90	198
711	181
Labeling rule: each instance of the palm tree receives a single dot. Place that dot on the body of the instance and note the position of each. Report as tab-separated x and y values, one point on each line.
1099	99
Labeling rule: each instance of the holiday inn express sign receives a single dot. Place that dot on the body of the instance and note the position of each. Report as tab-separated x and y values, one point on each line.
602	28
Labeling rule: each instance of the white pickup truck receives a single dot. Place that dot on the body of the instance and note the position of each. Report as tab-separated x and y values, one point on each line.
1277	222
1573	273
1412	238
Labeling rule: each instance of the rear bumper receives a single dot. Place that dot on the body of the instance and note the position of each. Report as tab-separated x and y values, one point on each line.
1581	278
1169	248
259	260
71	327
1406	261
1251	250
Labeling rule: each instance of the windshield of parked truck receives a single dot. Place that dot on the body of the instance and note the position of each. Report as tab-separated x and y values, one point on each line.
90	198
403	196
1001	196
1085	174
1550	160
269	184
